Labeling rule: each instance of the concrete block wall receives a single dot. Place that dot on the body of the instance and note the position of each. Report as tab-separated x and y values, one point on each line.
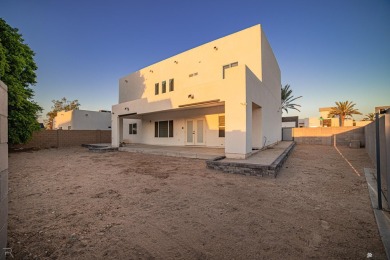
341	136
3	167
66	138
384	139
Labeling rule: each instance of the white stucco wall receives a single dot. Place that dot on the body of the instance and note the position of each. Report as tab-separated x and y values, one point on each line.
145	127
249	94
83	120
288	124
241	47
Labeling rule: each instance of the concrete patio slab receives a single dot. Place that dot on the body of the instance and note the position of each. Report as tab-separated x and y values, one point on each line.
204	153
261	163
264	157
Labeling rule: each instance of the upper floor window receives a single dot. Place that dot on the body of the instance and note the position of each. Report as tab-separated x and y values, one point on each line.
156	89
171	85
164	87
231	65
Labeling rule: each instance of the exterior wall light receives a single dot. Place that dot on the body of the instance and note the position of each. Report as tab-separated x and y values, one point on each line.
215	48
151	71
176	62
191	96
127	109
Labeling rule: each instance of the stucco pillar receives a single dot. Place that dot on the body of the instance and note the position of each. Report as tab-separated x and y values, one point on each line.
236	129
116	130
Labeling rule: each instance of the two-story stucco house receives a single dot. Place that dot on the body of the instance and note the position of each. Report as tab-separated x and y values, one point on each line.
82	120
225	93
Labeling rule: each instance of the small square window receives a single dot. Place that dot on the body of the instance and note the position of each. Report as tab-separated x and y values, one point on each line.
231	65
133	129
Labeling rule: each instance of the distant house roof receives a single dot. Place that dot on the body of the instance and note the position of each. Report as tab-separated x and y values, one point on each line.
377	109
325	109
290	119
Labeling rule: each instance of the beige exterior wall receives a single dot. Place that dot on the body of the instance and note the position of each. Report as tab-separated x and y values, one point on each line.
60	138
82	120
384	139
362	123
248	94
145	127
3	167
341	136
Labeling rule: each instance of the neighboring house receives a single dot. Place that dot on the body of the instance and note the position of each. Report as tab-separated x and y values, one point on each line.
381	109
83	120
289	121
325	121
225	93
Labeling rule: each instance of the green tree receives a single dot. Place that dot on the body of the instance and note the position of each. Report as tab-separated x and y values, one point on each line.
60	105
17	71
288	98
369	117
343	110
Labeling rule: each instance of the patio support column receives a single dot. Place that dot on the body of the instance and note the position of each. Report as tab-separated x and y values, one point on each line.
236	129
116	130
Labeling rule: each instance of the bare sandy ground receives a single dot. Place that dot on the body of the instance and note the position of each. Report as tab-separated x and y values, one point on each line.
75	204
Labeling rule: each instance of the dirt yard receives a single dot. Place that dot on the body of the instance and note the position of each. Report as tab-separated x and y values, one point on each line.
75	204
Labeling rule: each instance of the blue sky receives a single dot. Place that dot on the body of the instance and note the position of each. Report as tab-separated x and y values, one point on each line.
328	50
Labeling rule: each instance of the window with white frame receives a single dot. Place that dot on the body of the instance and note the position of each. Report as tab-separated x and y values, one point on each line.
163	128
133	129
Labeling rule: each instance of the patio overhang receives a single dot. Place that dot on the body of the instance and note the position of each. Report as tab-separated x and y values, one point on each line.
182	107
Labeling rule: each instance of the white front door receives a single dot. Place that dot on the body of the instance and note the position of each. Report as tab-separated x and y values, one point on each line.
195	132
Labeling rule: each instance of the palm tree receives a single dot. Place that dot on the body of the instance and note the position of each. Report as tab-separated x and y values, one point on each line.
344	109
369	117
288	98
